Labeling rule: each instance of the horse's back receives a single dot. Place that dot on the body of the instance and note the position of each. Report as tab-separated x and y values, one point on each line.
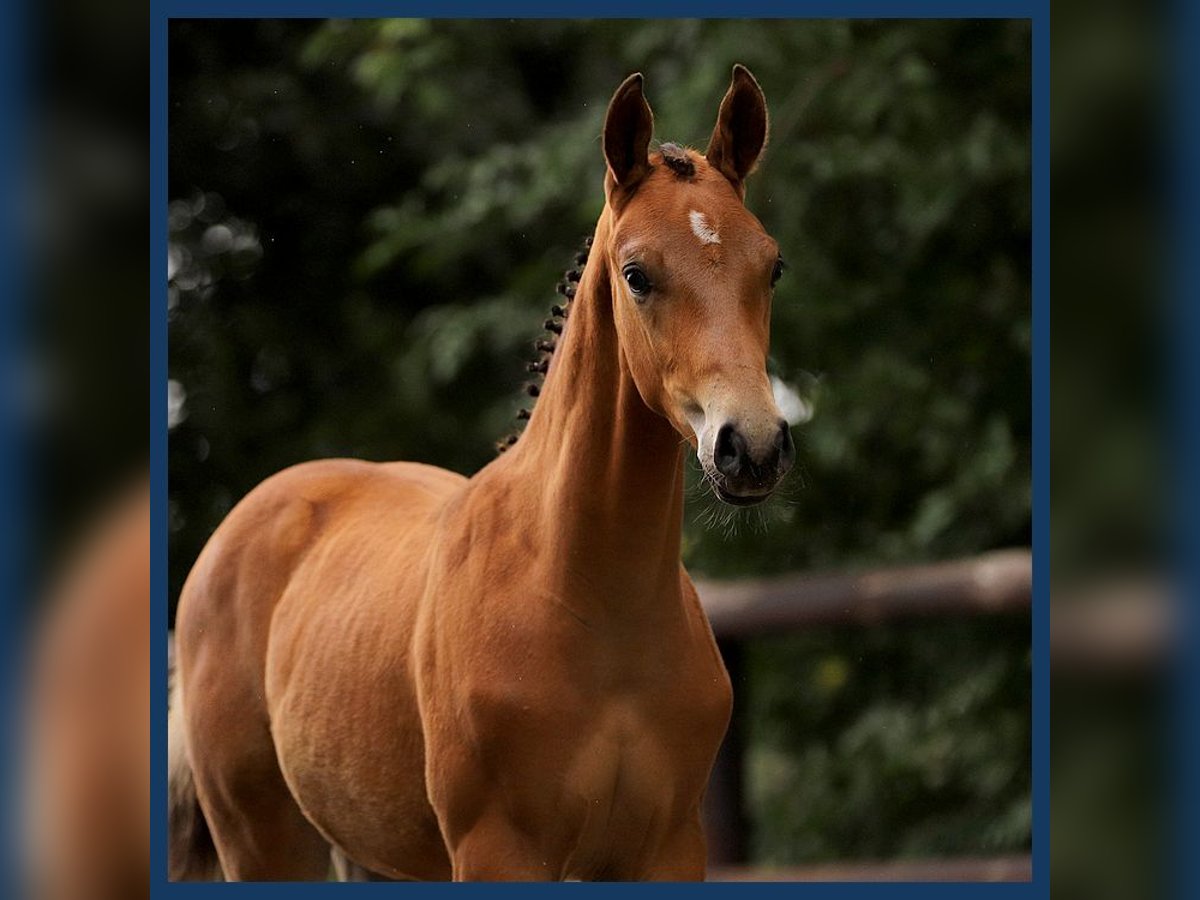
248	563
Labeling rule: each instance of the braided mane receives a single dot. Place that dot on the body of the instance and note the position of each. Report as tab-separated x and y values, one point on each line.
675	158
545	346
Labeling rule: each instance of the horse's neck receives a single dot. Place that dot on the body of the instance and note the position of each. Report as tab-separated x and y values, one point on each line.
608	470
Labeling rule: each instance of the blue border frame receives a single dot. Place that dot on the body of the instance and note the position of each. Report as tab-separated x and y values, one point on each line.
158	448
1035	10
14	98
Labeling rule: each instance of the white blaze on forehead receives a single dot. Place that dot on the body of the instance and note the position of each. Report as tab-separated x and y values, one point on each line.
701	228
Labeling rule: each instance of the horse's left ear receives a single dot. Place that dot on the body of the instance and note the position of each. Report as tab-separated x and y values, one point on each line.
741	131
628	125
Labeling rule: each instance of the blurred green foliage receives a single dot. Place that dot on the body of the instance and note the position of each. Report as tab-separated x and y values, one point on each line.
367	221
1113	788
910	741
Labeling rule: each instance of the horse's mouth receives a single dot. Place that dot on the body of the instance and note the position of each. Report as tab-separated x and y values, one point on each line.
741	499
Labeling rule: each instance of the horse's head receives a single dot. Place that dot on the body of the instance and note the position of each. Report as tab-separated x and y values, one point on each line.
693	272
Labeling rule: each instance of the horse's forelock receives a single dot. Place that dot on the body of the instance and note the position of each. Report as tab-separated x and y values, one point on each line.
677	160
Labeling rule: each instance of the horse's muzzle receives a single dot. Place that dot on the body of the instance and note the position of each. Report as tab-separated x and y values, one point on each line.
746	476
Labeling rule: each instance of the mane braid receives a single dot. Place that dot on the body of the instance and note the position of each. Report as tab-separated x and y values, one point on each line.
554	325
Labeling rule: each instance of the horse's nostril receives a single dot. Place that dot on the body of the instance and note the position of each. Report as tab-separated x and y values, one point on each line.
729	451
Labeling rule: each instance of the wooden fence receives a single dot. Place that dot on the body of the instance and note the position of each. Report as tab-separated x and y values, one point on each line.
997	582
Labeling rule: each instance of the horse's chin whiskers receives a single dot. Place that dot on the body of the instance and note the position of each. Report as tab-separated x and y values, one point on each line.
730	521
790	487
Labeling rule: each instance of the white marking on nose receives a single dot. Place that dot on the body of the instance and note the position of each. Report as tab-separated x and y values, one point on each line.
701	228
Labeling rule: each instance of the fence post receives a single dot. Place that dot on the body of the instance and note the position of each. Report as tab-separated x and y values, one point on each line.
724	819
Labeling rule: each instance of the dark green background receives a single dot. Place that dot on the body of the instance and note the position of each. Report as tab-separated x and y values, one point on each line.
367	221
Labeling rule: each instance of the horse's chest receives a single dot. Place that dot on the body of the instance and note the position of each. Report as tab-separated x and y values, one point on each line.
589	709
625	768
610	767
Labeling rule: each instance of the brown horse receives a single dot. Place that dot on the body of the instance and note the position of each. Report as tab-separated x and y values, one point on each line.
86	773
507	676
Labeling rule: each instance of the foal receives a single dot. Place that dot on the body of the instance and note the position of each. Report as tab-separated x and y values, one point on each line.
507	676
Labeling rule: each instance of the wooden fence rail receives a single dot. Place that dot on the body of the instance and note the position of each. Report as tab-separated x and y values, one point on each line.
1018	867
996	582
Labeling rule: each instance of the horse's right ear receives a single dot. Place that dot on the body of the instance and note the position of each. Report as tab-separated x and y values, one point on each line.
741	130
628	126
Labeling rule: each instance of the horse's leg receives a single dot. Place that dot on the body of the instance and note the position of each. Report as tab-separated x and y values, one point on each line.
494	850
683	857
259	831
345	869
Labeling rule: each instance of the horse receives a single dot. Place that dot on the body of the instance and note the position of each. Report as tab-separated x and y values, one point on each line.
85	774
507	676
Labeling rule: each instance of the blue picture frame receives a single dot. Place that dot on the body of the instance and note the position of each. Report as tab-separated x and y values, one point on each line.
162	11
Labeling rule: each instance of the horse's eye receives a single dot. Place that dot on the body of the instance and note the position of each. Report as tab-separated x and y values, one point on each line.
637	281
777	272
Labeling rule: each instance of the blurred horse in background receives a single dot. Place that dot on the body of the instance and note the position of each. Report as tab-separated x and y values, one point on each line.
508	676
87	767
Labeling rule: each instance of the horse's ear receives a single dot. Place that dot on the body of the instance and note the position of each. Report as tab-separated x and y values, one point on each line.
628	125
741	130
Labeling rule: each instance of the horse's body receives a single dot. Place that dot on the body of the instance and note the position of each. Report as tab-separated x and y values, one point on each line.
507	676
